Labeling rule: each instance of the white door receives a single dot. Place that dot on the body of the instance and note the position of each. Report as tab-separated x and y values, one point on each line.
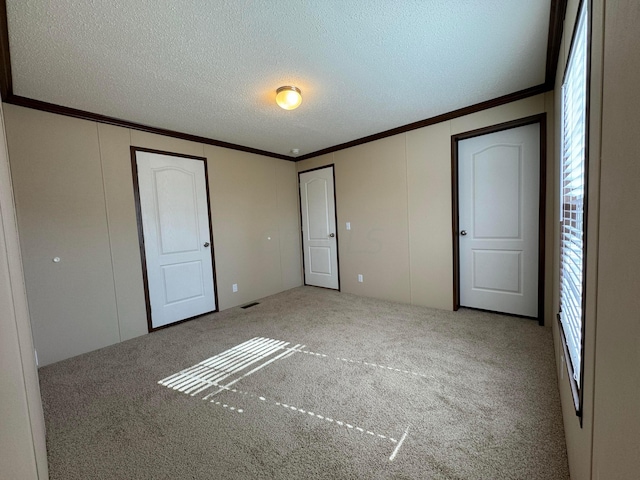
498	192
177	238
320	241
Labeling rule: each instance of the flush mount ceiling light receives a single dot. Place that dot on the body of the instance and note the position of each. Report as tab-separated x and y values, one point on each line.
288	98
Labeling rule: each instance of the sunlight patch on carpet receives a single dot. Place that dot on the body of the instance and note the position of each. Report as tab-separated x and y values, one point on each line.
228	367
220	372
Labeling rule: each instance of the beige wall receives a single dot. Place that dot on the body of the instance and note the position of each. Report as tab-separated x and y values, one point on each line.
22	432
607	444
255	225
371	192
74	198
616	435
55	163
396	192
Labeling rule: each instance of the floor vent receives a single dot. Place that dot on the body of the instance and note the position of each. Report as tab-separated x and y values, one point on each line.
249	305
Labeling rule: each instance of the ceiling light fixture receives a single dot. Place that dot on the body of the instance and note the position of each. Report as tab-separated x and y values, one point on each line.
288	97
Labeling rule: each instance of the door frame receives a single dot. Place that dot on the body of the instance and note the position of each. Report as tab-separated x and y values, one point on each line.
335	212
540	119
143	255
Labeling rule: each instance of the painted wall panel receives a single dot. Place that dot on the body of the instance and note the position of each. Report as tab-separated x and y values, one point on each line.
503	113
123	230
246	225
22	436
289	224
371	190
165	144
429	178
616	436
60	202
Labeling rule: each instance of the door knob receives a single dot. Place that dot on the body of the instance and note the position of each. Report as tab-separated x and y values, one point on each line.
332	235
463	233
206	244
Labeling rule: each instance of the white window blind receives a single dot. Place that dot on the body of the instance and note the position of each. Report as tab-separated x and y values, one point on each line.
572	232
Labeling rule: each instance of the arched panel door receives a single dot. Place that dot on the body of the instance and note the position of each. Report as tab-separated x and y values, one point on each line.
498	196
177	237
319	234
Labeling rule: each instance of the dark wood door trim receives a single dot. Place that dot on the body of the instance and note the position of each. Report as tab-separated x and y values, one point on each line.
143	256
335	210
542	120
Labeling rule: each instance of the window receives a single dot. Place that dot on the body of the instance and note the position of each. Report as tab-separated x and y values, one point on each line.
573	195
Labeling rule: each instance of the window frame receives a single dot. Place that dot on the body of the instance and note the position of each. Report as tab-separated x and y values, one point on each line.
577	386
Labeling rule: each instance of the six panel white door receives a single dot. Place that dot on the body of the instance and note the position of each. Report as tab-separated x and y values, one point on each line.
320	243
177	243
498	191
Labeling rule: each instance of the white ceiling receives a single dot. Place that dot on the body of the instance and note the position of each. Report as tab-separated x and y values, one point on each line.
211	67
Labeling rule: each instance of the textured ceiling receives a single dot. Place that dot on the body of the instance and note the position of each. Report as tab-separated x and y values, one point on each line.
211	67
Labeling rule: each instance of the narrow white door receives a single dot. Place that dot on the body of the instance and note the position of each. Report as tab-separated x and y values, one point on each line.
320	242
177	239
498	192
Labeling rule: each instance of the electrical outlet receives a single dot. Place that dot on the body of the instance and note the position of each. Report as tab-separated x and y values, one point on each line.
234	287
360	279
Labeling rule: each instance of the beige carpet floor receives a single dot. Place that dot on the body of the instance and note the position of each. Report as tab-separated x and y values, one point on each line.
316	384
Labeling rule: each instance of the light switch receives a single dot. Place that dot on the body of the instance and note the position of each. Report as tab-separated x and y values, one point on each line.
360	278
234	287
348	225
